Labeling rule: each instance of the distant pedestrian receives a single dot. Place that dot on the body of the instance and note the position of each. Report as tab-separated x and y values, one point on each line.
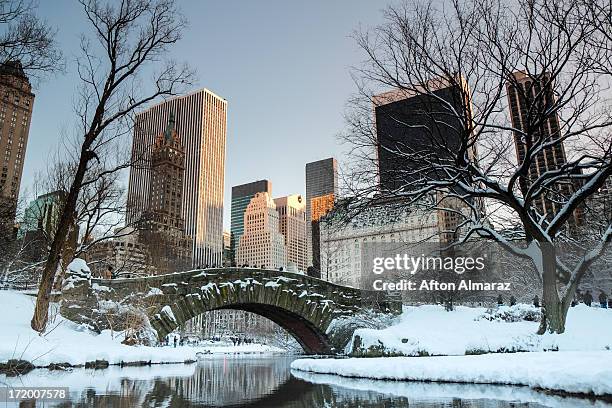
175	342
603	300
536	301
500	300
512	300
588	298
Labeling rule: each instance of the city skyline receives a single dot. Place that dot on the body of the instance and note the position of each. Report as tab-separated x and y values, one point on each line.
313	63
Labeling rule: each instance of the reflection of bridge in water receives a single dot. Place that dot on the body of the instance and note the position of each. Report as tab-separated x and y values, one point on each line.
263	382
304	306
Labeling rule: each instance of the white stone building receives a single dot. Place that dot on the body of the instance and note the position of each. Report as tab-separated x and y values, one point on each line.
262	244
292	224
343	244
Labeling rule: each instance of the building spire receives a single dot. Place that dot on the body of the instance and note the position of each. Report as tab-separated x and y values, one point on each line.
169	128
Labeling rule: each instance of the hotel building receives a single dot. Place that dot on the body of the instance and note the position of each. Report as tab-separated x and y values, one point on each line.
16	103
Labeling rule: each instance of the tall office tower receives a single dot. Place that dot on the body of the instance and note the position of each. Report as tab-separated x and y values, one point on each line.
241	197
262	244
522	99
163	223
321	192
416	131
16	103
292	224
201	122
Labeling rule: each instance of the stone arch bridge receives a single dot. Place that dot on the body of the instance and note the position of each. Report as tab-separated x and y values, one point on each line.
320	315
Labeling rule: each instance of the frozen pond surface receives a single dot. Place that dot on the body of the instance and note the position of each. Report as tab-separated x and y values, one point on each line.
266	382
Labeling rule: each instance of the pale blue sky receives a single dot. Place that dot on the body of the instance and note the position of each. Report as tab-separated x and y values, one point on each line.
283	66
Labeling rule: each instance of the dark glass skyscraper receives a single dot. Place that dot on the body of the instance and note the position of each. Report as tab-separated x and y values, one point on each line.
321	193
415	130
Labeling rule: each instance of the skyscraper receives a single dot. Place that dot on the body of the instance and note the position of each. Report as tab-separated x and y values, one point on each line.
292	224
164	226
262	243
523	96
321	192
201	122
16	103
241	197
417	130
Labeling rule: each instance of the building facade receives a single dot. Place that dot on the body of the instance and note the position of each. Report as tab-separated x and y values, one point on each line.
16	103
163	225
417	130
344	246
224	324
40	223
227	252
262	244
43	213
292	224
124	256
201	122
241	197
321	193
523	96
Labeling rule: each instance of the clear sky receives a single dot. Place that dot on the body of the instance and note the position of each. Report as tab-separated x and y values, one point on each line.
282	65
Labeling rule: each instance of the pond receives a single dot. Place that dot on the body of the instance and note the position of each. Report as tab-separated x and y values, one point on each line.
265	381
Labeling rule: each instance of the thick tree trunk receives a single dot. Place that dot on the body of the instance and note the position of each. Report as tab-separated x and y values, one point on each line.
554	311
41	311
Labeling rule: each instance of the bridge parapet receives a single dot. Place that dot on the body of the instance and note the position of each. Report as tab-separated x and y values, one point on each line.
304	306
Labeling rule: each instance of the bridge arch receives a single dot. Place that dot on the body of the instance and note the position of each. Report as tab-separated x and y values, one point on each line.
305	332
302	305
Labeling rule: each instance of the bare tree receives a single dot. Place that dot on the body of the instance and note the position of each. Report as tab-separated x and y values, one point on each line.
480	52
128	38
26	38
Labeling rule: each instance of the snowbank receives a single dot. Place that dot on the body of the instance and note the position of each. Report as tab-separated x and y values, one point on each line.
573	372
67	342
430	330
432	394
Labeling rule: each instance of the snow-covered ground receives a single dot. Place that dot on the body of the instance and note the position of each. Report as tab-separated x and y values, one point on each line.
583	363
431	330
432	394
67	342
570	371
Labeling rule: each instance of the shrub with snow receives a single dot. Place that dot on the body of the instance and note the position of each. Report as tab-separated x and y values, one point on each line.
512	314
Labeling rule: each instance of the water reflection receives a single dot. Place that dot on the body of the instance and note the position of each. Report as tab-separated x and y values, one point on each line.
269	382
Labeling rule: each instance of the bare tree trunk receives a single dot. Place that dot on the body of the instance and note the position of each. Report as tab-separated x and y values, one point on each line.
39	320
553	312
